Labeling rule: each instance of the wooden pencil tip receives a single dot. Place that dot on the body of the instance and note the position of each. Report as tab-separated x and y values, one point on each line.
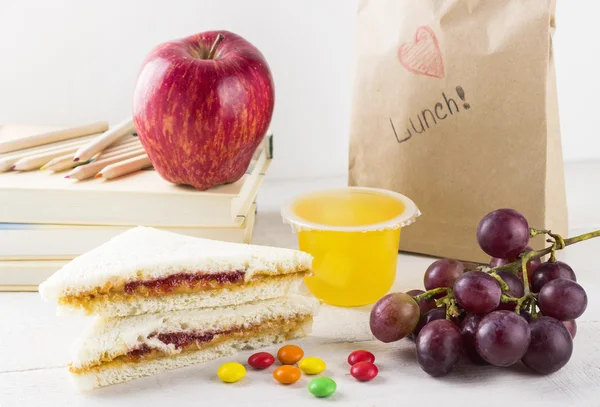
76	159
12	167
43	168
98	175
67	176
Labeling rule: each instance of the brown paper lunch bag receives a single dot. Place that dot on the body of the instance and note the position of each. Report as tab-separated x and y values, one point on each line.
455	107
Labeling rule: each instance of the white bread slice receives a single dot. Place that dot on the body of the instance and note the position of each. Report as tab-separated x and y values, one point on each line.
118	374
109	338
144	253
258	291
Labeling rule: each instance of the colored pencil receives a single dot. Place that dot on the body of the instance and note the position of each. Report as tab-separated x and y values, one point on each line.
36	161
38	149
125	167
120	144
109	137
89	170
7	161
121	149
66	162
47	138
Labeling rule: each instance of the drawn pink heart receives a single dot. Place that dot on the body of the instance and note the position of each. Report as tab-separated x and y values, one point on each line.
423	56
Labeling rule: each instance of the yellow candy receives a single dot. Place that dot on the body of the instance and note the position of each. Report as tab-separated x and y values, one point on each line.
311	365
231	372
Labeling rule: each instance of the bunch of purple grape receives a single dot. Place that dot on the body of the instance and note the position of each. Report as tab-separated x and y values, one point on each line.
493	316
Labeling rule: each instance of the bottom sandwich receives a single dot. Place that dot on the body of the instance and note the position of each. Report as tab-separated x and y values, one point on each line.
122	349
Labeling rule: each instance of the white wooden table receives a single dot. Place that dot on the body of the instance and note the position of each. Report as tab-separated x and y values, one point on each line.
34	343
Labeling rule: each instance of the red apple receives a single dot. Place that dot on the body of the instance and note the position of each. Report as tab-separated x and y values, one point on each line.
201	106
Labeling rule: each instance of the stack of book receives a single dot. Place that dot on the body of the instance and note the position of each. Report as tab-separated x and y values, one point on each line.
47	220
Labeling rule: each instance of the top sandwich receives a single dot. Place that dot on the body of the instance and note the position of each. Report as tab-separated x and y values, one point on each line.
145	270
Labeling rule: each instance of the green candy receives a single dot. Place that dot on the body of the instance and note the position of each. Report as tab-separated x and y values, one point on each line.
322	387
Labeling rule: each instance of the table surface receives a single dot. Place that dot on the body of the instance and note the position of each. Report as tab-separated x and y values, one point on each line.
34	343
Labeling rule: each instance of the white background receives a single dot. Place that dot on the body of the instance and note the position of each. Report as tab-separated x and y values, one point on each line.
68	62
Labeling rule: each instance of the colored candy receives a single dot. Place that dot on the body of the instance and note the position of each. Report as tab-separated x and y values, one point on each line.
287	374
231	372
364	371
322	387
311	365
361	356
363	368
290	354
261	360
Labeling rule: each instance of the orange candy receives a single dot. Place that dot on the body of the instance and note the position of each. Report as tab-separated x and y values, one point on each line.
287	374
290	354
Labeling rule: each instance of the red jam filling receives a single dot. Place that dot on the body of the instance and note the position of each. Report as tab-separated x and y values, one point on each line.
170	283
178	339
181	339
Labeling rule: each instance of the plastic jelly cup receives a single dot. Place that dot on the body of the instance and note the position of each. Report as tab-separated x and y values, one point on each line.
353	235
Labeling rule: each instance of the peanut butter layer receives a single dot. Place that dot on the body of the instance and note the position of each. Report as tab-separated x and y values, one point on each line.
190	342
176	284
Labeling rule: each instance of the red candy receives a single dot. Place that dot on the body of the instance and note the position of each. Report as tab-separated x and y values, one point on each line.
360	356
364	371
261	360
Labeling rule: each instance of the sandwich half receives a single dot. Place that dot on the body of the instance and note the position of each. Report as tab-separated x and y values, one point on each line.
116	350
146	270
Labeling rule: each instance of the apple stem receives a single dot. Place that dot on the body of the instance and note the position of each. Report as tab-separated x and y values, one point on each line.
213	49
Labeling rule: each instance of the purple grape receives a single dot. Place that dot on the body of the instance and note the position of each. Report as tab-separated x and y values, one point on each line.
562	299
439	347
432	315
551	271
477	292
515	289
424	305
393	317
442	273
467	329
502	338
571	327
551	346
503	233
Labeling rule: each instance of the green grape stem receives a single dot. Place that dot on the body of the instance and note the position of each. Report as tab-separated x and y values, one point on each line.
528	300
514	266
524	261
506	298
558	243
502	283
452	309
432	293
